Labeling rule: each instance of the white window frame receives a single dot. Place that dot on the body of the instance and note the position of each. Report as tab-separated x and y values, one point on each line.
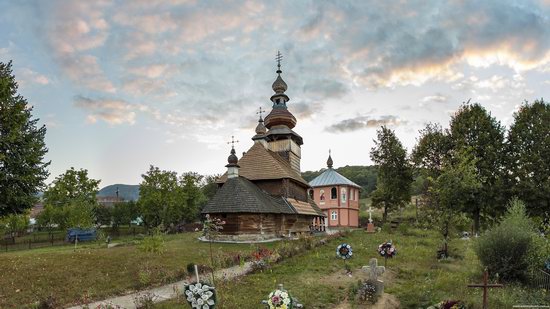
343	193
333	215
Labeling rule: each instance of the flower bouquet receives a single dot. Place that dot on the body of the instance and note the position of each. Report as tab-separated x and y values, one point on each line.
344	251
387	250
200	296
279	299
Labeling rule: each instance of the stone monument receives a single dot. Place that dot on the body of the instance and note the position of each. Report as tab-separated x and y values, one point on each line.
374	271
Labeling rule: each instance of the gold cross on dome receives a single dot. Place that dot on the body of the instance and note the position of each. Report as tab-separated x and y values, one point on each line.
232	142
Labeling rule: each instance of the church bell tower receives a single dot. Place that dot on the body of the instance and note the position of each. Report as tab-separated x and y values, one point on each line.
279	124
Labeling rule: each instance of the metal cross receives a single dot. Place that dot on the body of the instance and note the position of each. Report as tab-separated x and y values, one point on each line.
260	111
278	58
232	142
485	287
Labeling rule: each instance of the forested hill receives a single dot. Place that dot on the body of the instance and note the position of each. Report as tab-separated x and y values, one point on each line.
365	176
127	192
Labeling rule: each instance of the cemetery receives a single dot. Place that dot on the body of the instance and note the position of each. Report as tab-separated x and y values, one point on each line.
153	156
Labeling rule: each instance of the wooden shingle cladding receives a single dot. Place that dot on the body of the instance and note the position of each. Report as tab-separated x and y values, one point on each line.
259	163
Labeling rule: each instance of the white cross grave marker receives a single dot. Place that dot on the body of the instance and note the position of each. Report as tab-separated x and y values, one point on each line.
374	271
370	214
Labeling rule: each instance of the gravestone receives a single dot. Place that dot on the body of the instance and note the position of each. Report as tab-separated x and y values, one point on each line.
370	225
374	271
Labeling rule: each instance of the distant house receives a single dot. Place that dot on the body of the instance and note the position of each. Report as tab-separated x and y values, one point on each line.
337	196
109	201
36	210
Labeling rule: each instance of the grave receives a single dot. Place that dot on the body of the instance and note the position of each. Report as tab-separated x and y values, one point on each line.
374	271
370	225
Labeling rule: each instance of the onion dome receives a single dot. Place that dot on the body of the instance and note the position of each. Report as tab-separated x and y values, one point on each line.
232	159
279	85
280	116
260	128
329	161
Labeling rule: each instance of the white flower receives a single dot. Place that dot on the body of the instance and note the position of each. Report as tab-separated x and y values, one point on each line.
205	307
210	302
200	302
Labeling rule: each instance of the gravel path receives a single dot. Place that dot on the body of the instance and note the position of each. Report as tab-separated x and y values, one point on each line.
168	291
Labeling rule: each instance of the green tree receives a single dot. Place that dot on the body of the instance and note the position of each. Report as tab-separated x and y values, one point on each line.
72	186
528	161
15	224
161	199
124	213
103	215
191	185
456	184
394	172
431	151
473	129
80	215
22	148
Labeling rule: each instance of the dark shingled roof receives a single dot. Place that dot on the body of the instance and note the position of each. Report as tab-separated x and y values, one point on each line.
240	195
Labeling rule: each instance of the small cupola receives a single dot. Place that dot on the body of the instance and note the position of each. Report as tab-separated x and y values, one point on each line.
232	161
329	160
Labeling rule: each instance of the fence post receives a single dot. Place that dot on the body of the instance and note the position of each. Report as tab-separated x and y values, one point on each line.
51	239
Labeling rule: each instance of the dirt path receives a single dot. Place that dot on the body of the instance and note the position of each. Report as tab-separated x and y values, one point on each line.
166	292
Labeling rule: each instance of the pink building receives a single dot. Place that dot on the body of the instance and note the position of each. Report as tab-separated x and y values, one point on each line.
337	196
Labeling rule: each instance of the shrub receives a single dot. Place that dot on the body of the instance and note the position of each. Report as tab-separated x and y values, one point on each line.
508	248
153	243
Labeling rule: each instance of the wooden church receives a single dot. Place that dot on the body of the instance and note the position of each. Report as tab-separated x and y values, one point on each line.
263	196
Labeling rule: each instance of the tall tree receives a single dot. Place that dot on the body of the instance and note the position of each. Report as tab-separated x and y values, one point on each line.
191	184
161	201
394	172
528	161
72	187
474	129
22	148
432	149
457	183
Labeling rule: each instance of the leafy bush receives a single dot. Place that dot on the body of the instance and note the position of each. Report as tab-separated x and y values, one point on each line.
508	249
153	243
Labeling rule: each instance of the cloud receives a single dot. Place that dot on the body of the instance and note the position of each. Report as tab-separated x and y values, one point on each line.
364	122
112	111
28	76
436	98
303	110
150	71
74	30
86	71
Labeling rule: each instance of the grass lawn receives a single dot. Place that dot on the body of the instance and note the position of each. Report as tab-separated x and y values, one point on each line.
416	278
95	272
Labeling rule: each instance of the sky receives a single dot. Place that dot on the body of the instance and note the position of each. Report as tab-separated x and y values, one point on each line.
121	85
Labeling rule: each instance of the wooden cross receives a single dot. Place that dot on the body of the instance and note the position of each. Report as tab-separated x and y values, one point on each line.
485	287
232	142
278	58
260	112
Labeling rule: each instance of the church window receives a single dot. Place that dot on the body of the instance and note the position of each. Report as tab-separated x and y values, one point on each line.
322	196
333	193
311	193
343	194
351	192
334	215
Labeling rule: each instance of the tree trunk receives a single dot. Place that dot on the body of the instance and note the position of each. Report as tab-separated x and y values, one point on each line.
385	216
476	220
